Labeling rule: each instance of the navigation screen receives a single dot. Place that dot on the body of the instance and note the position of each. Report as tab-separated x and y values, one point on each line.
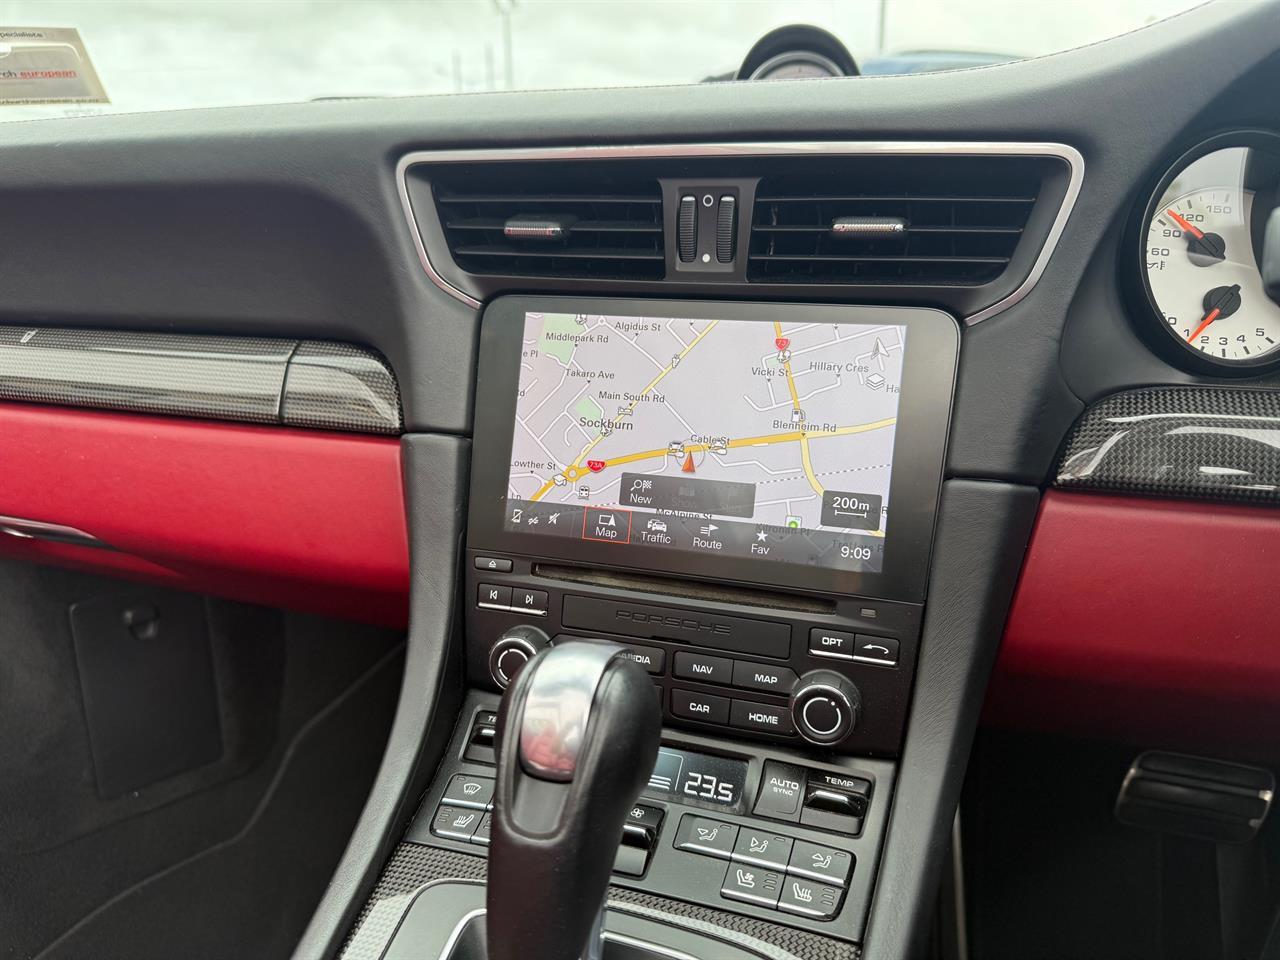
770	441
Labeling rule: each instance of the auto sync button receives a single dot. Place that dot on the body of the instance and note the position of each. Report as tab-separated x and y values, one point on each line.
781	791
760	638
699	706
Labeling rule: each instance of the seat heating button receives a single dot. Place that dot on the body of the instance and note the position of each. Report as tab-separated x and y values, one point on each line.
807	898
456	823
481	835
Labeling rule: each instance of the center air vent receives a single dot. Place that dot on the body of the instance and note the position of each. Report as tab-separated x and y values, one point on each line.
568	226
935	221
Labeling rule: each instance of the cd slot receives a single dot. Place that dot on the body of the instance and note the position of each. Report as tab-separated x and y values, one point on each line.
665	588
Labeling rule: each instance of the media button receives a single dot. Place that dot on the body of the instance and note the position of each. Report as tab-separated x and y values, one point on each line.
606	524
699	706
651	658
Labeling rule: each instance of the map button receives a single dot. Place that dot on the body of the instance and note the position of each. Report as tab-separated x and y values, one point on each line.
607	524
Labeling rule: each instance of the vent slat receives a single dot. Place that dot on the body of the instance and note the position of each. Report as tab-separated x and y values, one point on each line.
613	225
963	219
582	226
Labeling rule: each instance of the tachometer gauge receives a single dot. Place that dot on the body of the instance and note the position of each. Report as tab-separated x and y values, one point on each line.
1203	231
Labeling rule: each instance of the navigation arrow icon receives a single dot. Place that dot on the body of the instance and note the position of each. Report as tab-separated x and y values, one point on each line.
687	466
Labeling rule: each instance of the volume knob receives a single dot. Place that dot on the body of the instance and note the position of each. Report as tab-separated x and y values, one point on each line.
513	650
825	707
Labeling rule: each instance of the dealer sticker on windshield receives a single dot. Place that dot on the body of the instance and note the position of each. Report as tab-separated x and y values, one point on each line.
46	65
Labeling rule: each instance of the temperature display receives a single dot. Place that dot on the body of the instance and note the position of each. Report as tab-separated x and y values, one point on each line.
697	777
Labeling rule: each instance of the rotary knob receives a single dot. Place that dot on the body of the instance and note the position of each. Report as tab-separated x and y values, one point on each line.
825	707
513	650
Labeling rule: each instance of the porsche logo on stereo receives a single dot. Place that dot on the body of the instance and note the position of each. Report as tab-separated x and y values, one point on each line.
680	623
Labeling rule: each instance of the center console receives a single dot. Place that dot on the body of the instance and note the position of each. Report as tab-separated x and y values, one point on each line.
742	496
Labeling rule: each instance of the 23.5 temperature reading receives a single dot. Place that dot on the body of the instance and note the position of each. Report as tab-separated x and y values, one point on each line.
707	787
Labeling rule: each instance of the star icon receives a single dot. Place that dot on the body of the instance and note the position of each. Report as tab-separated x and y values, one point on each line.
761	536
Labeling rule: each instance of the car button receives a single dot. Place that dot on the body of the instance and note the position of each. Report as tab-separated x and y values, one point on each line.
820	863
700	706
456	823
493	596
807	898
465	790
496	564
761	717
763	848
698	666
879	650
742	881
758	676
704	835
781	792
831	643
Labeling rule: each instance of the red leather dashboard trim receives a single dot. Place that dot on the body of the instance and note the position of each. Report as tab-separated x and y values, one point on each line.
301	519
1147	621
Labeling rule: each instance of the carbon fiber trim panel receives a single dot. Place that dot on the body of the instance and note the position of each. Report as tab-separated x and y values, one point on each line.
229	378
413	865
1200	443
248	379
337	385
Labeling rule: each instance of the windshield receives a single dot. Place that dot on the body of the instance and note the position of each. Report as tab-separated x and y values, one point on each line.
108	57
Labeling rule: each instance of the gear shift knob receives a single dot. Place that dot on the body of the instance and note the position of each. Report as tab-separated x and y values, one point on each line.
578	735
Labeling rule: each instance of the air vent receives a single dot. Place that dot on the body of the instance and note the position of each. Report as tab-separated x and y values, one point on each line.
583	226
919	221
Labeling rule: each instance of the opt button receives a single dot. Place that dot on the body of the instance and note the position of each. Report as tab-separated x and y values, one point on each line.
832	643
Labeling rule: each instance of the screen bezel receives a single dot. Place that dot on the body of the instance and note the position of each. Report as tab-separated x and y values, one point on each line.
924	415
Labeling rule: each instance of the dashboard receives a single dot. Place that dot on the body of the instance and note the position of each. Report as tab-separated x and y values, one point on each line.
846	407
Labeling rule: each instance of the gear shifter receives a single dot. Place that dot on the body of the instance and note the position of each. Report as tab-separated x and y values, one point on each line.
578	735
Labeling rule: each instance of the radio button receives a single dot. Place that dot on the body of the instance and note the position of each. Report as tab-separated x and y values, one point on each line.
697	666
832	643
699	706
761	718
756	676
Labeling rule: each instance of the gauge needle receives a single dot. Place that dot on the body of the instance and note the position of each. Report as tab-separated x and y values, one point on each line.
1216	301
1185	225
